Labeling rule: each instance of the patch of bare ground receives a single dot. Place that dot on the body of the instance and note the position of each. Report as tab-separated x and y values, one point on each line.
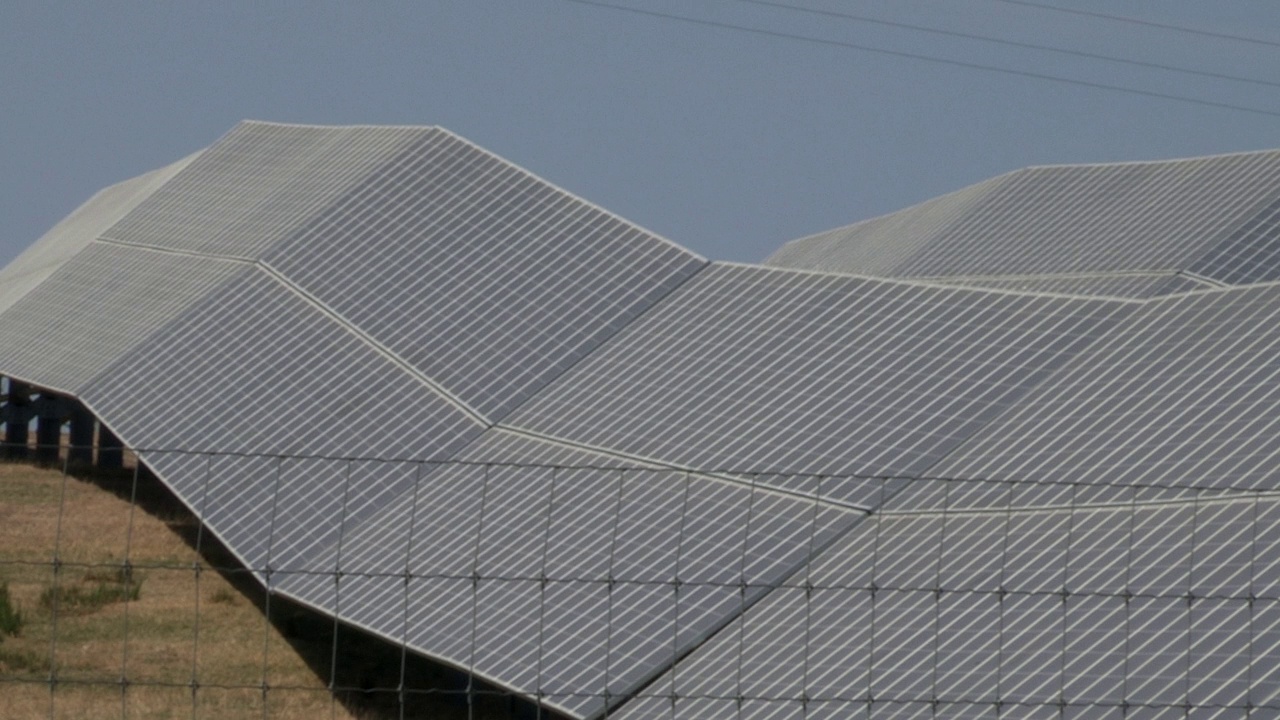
122	617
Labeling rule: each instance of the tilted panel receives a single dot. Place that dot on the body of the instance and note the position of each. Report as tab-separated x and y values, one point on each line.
1166	606
880	245
1152	216
758	370
1185	392
76	231
558	573
482	276
1250	254
1104	218
253	372
258	184
97	307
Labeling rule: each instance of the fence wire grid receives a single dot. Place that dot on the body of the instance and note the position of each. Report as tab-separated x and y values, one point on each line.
296	586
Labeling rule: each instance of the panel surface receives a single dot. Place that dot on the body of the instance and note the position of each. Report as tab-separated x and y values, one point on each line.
1250	254
918	607
77	230
880	245
577	564
1183	393
257	184
1086	218
253	369
251	373
482	276
98	306
1134	285
761	370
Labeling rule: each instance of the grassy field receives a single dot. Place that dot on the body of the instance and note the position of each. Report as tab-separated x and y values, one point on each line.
164	622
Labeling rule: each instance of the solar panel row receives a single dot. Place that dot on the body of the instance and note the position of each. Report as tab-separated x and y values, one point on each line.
1195	214
1002	611
35	264
773	371
1182	392
570	584
413	386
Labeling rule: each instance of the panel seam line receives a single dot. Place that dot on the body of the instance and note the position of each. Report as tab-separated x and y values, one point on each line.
386	352
333	315
676	467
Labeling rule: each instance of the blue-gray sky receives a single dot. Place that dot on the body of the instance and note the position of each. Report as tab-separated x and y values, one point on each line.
725	141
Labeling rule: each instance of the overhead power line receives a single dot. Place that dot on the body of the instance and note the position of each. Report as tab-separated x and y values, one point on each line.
1010	43
1147	23
928	58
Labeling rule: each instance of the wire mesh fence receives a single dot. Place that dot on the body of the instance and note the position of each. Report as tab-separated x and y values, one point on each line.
287	586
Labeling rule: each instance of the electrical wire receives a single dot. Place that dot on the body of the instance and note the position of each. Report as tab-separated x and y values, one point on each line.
1011	43
928	58
1147	23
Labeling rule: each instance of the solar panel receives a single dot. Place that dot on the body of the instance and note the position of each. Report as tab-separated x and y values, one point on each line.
253	369
257	184
426	393
482	276
76	231
1110	619
1178	394
1250	254
609	542
763	370
96	307
1059	219
880	245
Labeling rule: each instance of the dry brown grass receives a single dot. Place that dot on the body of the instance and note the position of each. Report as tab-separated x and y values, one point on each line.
184	625
189	624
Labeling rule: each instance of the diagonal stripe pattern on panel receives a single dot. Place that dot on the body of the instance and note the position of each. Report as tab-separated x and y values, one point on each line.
97	307
574	582
256	185
482	276
1183	392
880	245
941	605
778	371
252	370
77	230
1058	219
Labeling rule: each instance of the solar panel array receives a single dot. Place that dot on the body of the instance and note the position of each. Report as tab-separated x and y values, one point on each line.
484	277
1134	217
1184	392
991	610
747	368
76	231
426	393
79	320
